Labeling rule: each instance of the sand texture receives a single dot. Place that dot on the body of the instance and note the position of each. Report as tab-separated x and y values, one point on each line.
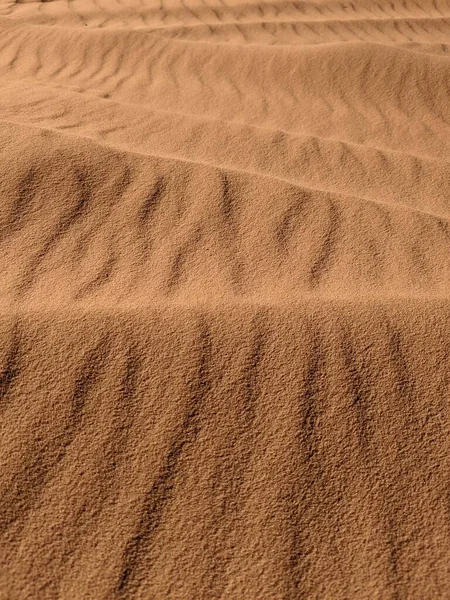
224	300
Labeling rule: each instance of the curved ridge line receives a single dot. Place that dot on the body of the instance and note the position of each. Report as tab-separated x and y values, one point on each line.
199	117
251	173
129	13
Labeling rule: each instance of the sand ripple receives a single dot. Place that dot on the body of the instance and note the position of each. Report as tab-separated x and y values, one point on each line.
225	265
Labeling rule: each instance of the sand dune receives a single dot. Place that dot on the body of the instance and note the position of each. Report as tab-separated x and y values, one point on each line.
225	299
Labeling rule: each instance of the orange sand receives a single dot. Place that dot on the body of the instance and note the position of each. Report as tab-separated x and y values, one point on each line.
224	300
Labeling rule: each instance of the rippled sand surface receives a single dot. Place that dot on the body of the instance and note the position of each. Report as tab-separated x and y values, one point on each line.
224	300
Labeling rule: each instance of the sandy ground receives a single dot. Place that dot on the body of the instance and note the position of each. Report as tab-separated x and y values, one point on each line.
224	300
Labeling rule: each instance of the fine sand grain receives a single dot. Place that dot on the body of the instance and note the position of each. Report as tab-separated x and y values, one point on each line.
225	300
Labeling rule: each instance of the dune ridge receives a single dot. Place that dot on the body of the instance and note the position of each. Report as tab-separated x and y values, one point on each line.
225	299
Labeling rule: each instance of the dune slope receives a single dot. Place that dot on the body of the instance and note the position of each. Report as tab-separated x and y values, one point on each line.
225	299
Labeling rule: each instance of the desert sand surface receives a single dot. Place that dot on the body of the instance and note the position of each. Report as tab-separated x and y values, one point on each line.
225	300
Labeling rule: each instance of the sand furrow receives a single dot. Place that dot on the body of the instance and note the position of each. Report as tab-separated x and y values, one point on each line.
141	84
102	232
79	12
335	448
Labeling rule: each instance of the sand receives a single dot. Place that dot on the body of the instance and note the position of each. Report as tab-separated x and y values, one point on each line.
224	300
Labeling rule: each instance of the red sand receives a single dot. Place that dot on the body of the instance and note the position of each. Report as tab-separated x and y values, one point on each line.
225	316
